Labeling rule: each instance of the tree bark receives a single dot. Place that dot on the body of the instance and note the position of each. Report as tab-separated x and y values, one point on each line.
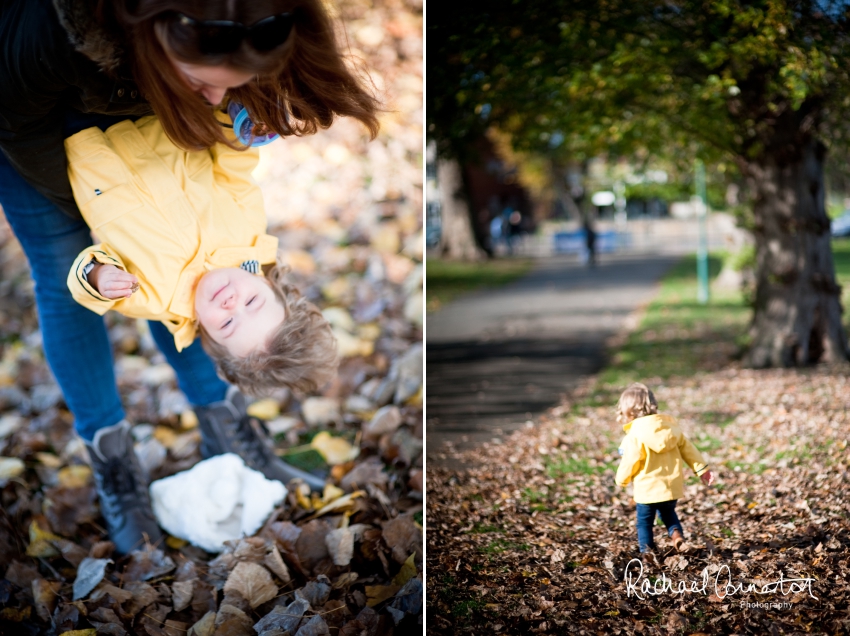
457	241
797	316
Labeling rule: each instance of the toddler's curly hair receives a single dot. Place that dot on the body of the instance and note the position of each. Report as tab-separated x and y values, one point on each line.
636	401
300	354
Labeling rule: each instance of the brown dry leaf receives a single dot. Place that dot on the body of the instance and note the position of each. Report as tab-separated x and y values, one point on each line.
316	626
370	471
274	562
340	543
44	593
253	582
181	594
143	595
283	619
148	564
402	537
204	626
311	546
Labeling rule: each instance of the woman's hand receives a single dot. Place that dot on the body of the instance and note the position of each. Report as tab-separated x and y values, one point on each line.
707	478
112	282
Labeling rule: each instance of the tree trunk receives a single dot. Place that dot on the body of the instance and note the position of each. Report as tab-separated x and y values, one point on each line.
797	317
457	241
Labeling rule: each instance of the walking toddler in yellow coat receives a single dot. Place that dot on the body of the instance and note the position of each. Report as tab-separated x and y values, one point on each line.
654	451
183	241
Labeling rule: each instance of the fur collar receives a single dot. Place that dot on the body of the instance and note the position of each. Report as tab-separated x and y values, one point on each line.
88	36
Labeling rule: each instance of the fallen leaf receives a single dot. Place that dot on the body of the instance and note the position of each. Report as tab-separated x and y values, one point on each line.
339	505
407	571
283	619
147	564
204	626
267	409
44	593
253	582
316	626
10	468
181	594
89	573
402	537
274	562
340	544
379	593
42	542
316	592
334	450
75	476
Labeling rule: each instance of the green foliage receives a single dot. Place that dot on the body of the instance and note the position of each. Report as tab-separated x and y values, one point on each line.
580	78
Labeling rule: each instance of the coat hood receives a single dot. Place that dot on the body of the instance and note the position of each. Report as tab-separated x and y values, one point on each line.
88	36
659	433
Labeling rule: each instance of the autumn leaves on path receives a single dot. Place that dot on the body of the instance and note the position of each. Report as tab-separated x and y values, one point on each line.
538	537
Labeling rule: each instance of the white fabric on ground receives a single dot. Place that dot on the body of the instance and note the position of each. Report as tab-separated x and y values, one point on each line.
216	500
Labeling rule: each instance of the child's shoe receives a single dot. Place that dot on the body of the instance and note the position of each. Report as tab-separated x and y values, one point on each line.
679	541
226	427
648	559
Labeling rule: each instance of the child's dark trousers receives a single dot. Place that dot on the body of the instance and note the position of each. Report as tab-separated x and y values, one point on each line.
646	517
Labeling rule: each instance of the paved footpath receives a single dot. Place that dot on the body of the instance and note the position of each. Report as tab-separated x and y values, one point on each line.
497	358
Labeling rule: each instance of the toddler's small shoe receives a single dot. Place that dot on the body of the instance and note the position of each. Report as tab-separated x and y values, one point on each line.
648	559
679	541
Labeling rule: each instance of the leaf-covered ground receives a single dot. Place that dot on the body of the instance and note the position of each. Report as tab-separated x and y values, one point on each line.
348	213
538	537
535	536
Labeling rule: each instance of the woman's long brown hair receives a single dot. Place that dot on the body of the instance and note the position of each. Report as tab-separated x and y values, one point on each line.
301	86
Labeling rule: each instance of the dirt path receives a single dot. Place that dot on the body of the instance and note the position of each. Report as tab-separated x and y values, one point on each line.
498	358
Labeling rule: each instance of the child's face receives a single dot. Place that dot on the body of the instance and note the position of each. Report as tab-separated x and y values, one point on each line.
239	310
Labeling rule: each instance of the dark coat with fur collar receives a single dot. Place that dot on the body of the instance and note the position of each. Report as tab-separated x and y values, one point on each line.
62	72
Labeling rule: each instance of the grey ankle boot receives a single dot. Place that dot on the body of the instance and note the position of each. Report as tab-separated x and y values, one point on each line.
226	427
123	489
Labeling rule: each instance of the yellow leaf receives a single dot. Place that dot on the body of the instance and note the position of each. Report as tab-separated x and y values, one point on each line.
188	419
380	593
165	436
334	450
331	493
612	613
75	476
267	409
369	331
407	572
41	542
175	543
49	459
302	496
415	399
81	632
10	467
340	504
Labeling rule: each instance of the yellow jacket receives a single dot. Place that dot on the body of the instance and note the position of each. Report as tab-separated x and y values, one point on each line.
653	451
165	215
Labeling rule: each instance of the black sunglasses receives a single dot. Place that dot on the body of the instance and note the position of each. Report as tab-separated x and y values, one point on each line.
217	37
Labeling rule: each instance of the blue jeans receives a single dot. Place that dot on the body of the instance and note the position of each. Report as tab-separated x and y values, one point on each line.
76	345
646	517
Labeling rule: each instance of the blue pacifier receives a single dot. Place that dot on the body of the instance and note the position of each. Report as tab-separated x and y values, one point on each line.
244	127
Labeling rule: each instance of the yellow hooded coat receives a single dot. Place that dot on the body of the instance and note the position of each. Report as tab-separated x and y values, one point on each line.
653	452
165	215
